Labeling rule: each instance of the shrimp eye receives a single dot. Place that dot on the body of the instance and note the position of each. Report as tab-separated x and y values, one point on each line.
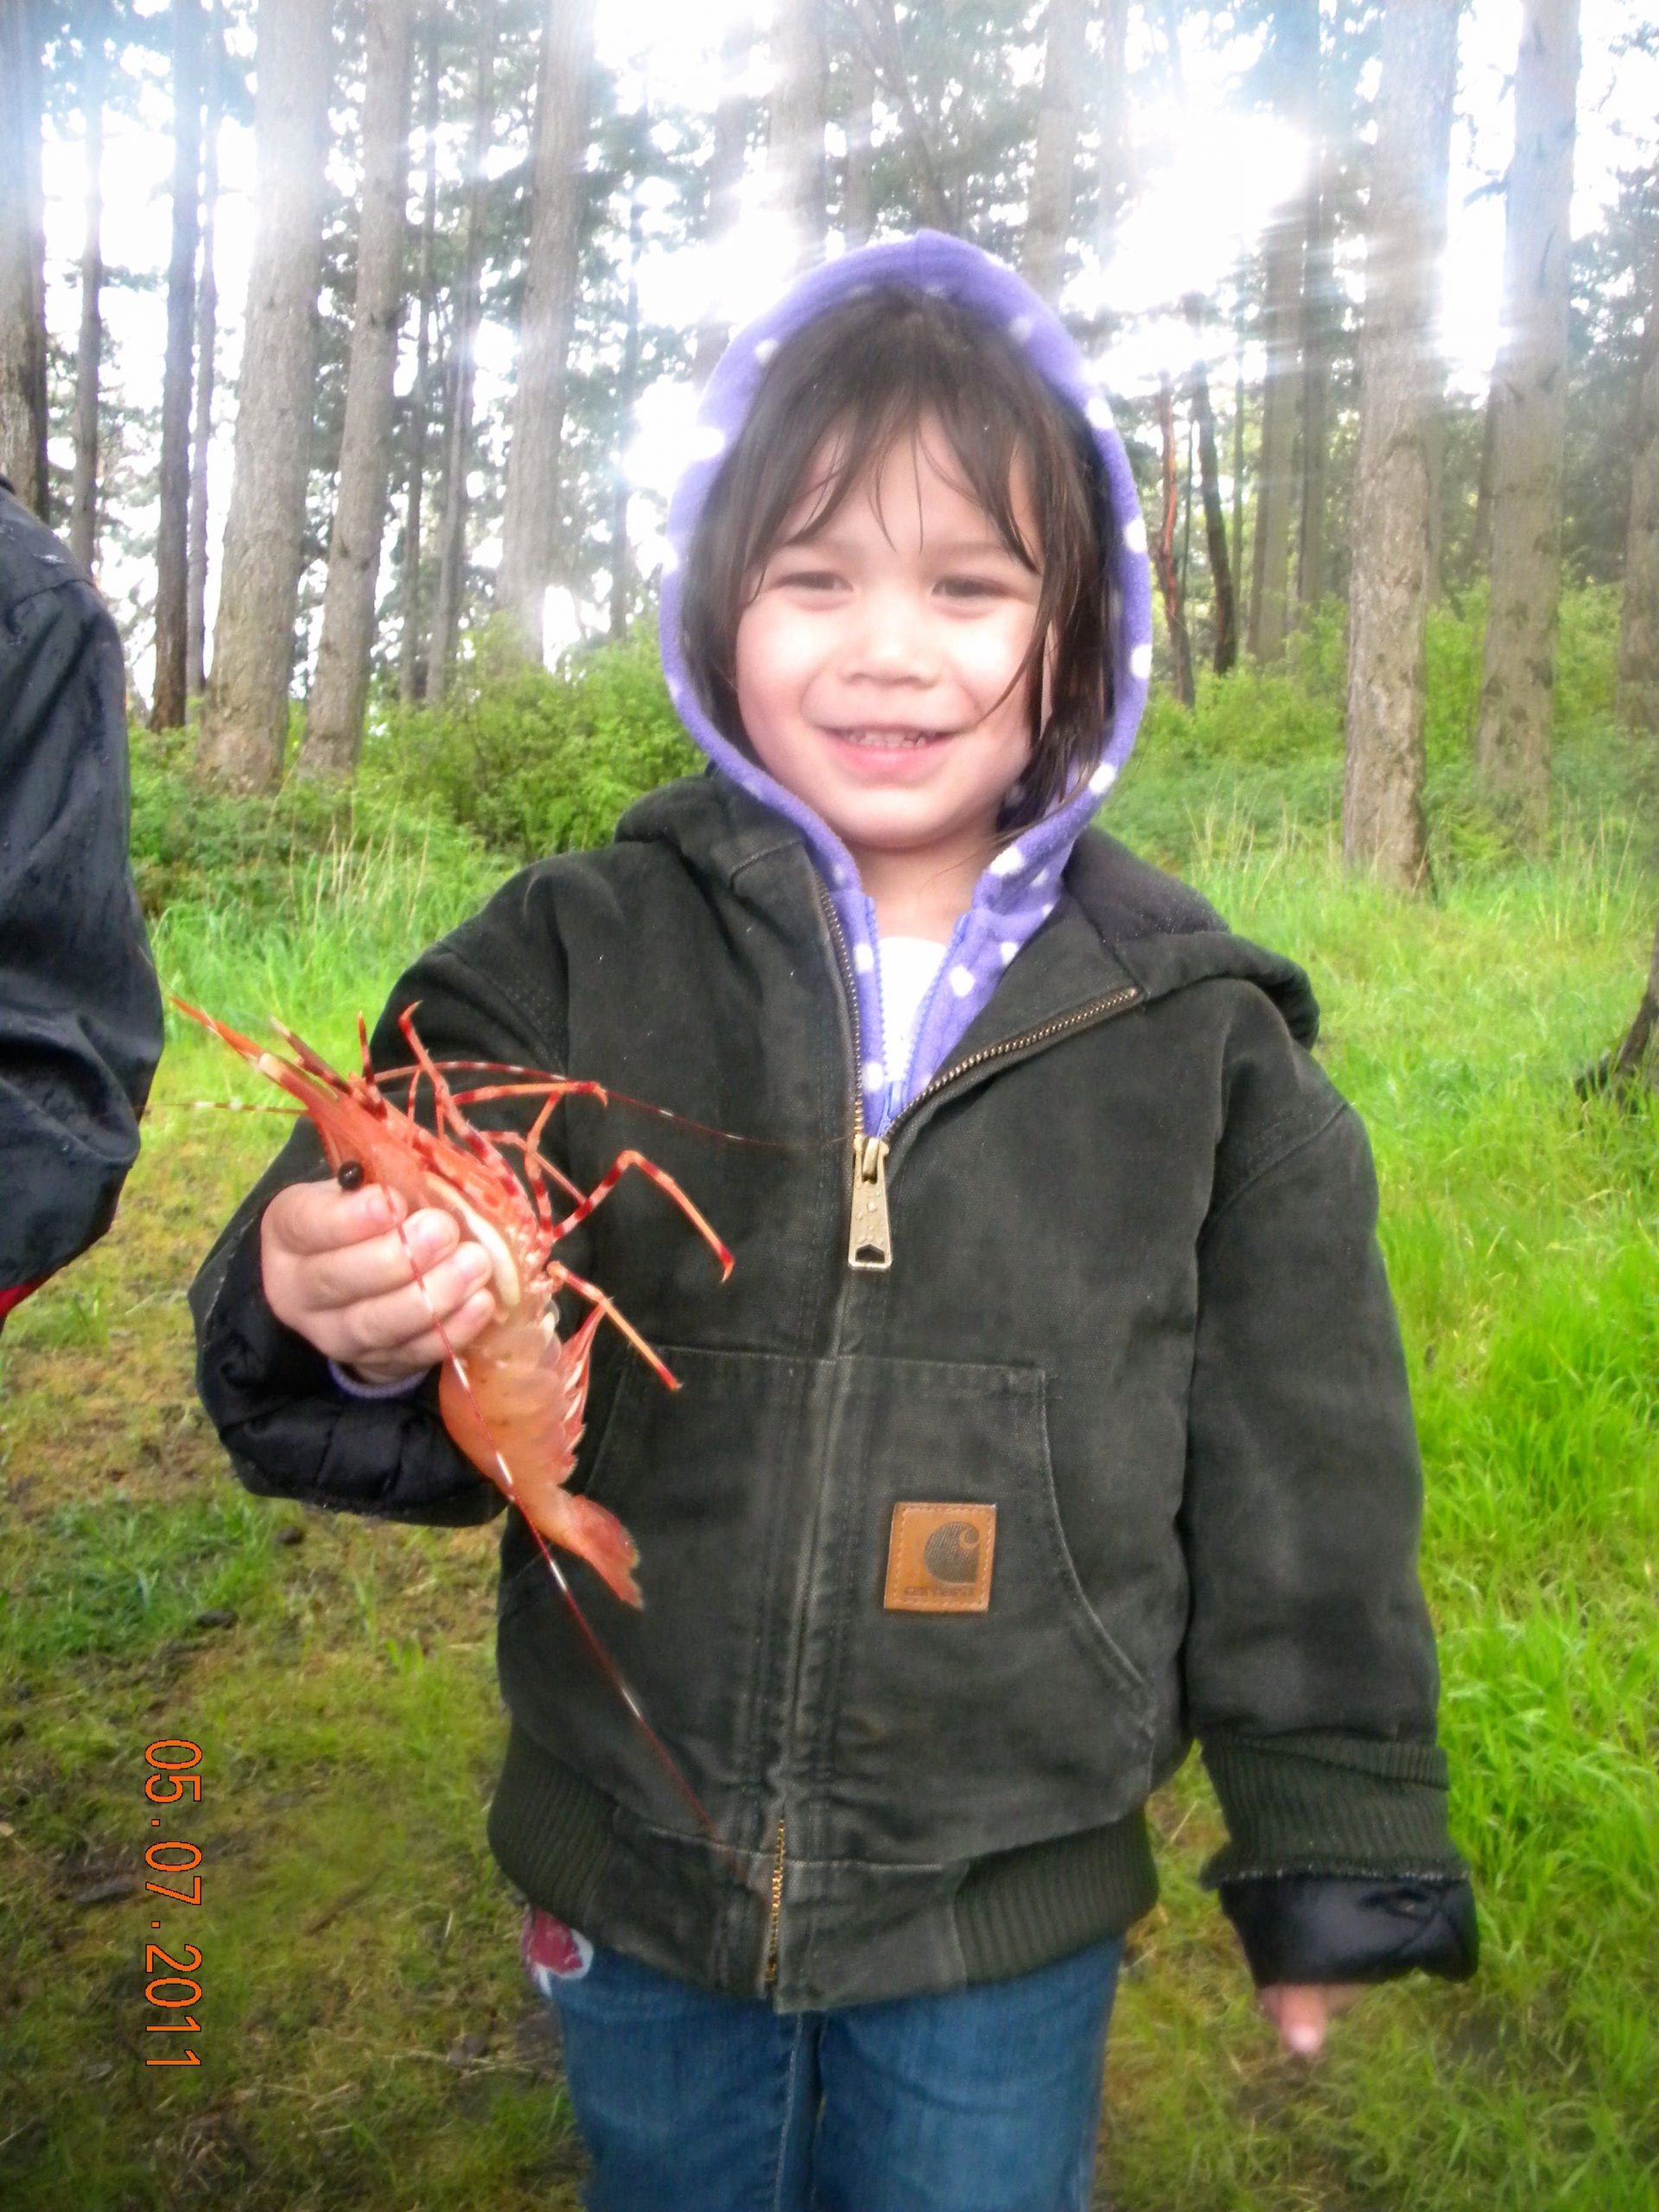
349	1175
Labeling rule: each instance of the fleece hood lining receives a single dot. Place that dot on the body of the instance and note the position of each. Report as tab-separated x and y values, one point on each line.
1019	889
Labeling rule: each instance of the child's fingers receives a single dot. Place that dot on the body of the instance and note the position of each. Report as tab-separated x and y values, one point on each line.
393	1322
461	1327
316	1217
1302	2011
348	1274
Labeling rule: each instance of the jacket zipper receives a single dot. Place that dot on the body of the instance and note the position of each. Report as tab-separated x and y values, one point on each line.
777	1908
870	1245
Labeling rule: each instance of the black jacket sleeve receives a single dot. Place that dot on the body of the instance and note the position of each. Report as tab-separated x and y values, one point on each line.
1310	1663
290	1431
80	1013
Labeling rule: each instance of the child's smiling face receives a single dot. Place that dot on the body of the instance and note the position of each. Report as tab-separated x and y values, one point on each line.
881	669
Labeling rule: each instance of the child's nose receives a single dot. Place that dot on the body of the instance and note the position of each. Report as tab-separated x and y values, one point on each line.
889	640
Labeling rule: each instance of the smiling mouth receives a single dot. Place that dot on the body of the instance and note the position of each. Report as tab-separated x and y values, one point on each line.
890	739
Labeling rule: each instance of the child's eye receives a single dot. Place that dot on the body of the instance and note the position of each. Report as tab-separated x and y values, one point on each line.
970	587
809	579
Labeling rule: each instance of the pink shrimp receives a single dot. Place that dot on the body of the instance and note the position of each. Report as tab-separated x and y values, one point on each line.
520	1388
514	1402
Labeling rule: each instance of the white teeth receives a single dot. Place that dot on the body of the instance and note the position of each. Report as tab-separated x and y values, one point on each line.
889	737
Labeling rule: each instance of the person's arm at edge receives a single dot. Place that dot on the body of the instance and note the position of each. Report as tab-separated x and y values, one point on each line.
1310	1663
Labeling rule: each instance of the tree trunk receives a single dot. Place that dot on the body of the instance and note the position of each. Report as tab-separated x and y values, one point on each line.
1215	523
1318	352
1238	437
410	667
878	26
1163	550
1638	630
1513	733
800	110
340	688
245	715
726	165
173	532
1482	546
1636	1054
83	509
196	653
1048	210
858	188
1401	383
1115	170
463	367
559	189
1275	475
621	552
23	305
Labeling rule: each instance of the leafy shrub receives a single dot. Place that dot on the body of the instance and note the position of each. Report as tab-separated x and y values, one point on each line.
194	845
537	761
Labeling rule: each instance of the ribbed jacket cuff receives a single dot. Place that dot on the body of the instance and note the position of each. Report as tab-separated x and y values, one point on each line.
1330	1804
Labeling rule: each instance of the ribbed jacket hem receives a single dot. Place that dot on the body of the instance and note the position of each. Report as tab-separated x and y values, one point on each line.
1021	1910
549	1830
1330	1804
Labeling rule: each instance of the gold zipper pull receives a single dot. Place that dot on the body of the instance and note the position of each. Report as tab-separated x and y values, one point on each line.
871	1246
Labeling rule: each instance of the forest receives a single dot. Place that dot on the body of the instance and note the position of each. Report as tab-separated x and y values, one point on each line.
353	345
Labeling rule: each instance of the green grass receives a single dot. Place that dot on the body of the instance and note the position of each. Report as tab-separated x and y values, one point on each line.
366	2037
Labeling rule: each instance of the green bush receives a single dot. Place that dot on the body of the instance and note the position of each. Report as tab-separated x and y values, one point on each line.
194	845
537	761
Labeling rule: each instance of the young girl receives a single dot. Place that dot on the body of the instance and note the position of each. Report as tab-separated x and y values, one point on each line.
1054	1414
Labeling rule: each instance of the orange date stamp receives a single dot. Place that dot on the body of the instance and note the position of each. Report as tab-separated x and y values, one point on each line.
164	1975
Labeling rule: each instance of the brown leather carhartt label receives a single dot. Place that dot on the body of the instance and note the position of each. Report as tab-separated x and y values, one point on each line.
940	1558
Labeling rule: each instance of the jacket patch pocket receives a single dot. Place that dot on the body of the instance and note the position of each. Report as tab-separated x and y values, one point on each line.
1006	1713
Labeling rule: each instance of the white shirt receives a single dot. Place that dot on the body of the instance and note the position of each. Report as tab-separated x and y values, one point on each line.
908	966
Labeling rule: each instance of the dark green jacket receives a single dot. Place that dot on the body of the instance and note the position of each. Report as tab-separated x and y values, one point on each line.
1136	1305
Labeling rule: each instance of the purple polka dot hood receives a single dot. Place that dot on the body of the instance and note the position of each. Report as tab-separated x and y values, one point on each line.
1017	892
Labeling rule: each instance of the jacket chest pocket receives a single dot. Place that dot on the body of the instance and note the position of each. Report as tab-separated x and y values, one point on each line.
972	1700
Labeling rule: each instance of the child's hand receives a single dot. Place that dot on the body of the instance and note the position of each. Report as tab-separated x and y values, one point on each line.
1301	2011
336	1270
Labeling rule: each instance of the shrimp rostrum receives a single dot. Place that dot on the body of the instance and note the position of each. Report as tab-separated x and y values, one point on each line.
513	1402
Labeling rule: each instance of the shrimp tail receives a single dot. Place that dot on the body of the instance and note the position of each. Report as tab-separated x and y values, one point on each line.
595	1534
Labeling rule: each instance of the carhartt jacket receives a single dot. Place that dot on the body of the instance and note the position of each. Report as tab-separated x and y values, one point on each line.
948	1556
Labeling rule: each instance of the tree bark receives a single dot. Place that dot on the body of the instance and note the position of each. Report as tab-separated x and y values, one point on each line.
1296	46
878	26
196	653
1638	630
410	594
858	188
89	354
1401	380
1114	169
726	165
1512	735
1215	523
800	110
1318	352
1163	550
173	532
458	426
245	715
340	688
1275	475
1048	210
1482	544
23	305
530	527
621	552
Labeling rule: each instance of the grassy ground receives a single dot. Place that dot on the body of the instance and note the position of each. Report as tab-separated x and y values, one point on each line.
365	2038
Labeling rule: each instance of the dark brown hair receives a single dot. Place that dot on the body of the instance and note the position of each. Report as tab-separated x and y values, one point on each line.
848	384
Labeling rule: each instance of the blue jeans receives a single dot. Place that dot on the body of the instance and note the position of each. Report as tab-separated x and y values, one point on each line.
982	2100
